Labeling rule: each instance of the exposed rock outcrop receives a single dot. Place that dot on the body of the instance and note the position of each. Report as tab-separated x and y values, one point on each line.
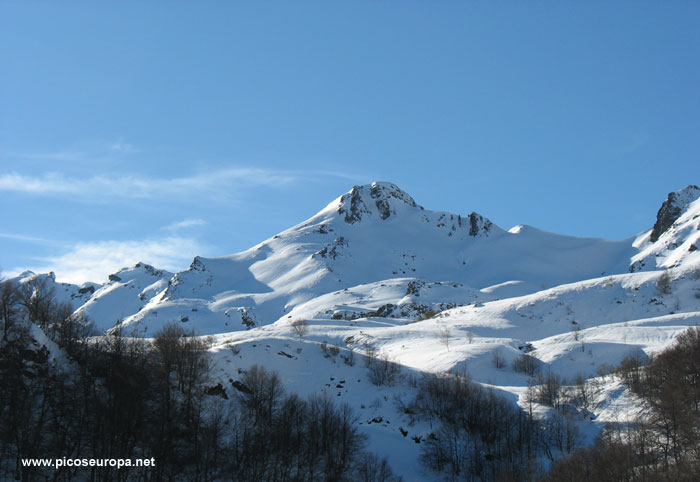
672	208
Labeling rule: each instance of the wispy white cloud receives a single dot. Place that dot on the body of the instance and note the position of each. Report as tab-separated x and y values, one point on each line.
49	183
58	155
215	183
29	239
96	261
122	147
185	224
83	151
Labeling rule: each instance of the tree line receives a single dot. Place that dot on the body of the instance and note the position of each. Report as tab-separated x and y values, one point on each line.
115	396
480	435
662	446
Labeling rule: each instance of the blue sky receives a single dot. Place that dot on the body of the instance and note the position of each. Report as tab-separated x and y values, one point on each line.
157	131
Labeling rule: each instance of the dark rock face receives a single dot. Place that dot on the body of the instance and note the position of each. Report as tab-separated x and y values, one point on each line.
413	288
473	224
353	213
387	191
87	290
149	269
358	201
378	193
665	218
331	250
197	264
670	211
247	318
383	208
384	310
477	223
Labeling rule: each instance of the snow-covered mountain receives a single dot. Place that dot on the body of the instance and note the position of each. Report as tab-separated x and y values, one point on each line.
375	254
371	234
375	274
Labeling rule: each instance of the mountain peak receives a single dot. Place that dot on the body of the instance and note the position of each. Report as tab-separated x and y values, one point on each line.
139	268
381	198
672	208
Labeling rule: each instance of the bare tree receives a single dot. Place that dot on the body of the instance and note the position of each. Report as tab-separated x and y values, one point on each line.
300	327
527	364
349	359
576	330
184	354
383	371
371	468
37	299
499	360
9	299
664	283
445	337
370	353
71	328
263	394
583	390
562	433
549	389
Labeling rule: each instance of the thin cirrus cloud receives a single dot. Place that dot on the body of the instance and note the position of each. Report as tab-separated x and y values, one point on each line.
212	183
81	151
97	260
185	224
29	239
122	147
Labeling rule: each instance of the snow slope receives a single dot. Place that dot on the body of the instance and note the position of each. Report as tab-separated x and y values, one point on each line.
62	292
675	238
128	290
374	233
374	274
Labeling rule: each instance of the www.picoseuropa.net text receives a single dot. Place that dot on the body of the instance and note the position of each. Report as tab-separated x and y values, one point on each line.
68	462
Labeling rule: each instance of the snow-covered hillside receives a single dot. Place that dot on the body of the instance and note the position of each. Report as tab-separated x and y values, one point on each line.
675	237
375	275
371	234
